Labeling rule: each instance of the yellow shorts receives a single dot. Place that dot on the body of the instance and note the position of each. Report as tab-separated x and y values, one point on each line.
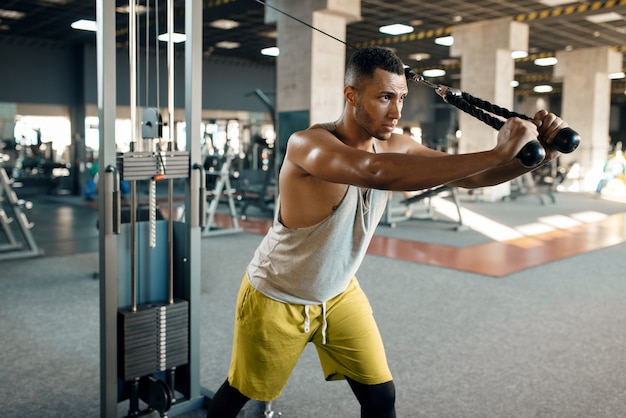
270	336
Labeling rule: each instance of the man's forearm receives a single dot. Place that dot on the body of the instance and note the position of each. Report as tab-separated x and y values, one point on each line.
494	176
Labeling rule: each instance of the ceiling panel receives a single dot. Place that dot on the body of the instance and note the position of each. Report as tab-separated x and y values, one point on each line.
552	28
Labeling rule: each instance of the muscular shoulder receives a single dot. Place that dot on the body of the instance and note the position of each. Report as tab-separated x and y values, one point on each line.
398	143
309	142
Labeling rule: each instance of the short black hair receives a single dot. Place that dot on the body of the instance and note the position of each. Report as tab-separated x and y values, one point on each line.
365	61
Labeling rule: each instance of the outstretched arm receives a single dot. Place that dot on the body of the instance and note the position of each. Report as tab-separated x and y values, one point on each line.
321	155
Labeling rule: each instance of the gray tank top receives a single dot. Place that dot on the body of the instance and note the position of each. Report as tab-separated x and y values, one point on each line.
311	265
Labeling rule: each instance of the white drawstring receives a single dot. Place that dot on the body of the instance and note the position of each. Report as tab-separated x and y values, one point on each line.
307	319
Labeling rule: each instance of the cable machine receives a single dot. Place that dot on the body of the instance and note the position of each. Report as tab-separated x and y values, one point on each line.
150	271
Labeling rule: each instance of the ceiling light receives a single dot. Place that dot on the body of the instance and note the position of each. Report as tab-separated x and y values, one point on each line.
519	54
420	56
445	41
616	76
546	62
139	9
272	51
11	14
552	3
176	37
228	45
396	29
435	72
514	83
604	17
269	33
225	24
543	89
84	24
449	61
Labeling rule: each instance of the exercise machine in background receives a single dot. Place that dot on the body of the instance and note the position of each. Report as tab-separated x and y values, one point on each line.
218	173
16	241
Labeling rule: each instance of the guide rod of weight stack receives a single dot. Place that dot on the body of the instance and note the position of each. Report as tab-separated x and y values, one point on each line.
132	52
172	132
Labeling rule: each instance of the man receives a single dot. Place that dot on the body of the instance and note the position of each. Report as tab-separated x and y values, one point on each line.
300	285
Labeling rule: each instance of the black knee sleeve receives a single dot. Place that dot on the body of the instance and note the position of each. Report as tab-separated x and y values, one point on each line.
226	403
377	401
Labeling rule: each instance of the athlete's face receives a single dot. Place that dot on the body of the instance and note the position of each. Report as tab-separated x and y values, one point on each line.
378	106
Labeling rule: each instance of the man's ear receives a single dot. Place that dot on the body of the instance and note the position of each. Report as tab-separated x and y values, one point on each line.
350	94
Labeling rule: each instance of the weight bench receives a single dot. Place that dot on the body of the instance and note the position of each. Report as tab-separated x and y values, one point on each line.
391	216
255	188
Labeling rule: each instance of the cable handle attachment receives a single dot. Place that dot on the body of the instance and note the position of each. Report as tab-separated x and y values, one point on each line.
566	140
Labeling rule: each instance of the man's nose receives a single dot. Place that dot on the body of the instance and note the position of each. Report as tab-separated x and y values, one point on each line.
395	110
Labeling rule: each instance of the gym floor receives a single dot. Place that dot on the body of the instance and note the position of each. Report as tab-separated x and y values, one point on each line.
519	313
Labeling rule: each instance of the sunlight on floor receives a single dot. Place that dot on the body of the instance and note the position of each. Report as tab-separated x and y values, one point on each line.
501	232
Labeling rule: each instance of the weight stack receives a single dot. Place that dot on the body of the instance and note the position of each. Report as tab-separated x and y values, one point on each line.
144	165
152	339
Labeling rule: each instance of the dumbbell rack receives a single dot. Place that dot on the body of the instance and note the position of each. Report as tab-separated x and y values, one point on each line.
14	247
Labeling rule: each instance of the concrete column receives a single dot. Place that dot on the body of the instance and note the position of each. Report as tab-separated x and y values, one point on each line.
311	65
586	105
487	70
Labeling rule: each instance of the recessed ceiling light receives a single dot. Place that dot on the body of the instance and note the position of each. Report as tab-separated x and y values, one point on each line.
420	56
139	9
546	62
435	72
396	29
514	83
617	76
11	14
519	54
449	61
543	89
84	24
225	24
228	45
269	33
176	37
272	51
552	3
445	41
605	17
